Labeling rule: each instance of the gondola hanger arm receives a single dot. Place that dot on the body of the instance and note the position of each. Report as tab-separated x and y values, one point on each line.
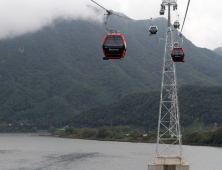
106	22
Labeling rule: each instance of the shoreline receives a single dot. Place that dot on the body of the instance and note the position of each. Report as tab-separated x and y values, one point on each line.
151	142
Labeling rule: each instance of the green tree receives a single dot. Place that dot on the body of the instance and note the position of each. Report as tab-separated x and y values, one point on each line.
135	134
103	132
218	136
34	130
87	133
69	130
52	129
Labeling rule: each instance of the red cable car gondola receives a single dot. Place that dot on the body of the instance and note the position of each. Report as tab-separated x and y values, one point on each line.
177	54
114	46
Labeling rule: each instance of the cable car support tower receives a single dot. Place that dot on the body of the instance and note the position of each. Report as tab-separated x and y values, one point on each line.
169	139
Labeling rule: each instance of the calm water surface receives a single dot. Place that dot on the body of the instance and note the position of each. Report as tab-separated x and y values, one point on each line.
26	152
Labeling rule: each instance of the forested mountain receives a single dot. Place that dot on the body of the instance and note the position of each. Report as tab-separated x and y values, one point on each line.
51	75
200	106
218	51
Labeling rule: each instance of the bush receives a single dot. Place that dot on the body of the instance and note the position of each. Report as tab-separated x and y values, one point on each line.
126	129
34	130
104	132
69	130
135	134
218	136
52	129
87	133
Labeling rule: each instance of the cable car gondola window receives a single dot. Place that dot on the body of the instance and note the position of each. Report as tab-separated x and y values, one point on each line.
178	51
153	29
114	41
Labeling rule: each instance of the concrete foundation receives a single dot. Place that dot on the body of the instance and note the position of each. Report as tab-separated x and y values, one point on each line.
168	164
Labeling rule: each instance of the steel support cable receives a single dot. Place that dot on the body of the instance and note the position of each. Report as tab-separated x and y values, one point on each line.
122	16
111	13
185	15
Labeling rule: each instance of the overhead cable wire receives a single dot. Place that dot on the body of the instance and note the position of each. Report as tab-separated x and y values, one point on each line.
185	15
111	13
163	26
100	6
122	16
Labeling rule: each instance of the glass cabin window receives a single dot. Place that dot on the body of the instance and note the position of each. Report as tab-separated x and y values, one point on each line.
114	41
177	52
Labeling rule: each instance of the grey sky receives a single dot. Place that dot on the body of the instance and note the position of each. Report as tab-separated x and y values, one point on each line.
201	27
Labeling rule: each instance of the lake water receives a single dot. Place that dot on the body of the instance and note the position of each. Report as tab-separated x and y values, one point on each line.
26	152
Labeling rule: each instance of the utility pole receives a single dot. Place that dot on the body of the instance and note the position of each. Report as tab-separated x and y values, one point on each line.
169	139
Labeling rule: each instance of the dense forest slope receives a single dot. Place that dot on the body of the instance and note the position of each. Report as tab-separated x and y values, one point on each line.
51	75
199	106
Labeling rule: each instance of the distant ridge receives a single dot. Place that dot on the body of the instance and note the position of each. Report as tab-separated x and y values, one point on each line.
218	51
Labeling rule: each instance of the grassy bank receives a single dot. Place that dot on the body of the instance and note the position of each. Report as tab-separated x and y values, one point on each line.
125	134
204	138
105	133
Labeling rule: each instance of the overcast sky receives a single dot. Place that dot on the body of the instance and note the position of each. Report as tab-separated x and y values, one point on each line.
202	26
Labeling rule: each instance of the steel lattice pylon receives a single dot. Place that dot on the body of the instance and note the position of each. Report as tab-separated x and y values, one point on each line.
169	136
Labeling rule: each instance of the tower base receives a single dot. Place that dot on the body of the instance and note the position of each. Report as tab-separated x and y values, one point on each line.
164	163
